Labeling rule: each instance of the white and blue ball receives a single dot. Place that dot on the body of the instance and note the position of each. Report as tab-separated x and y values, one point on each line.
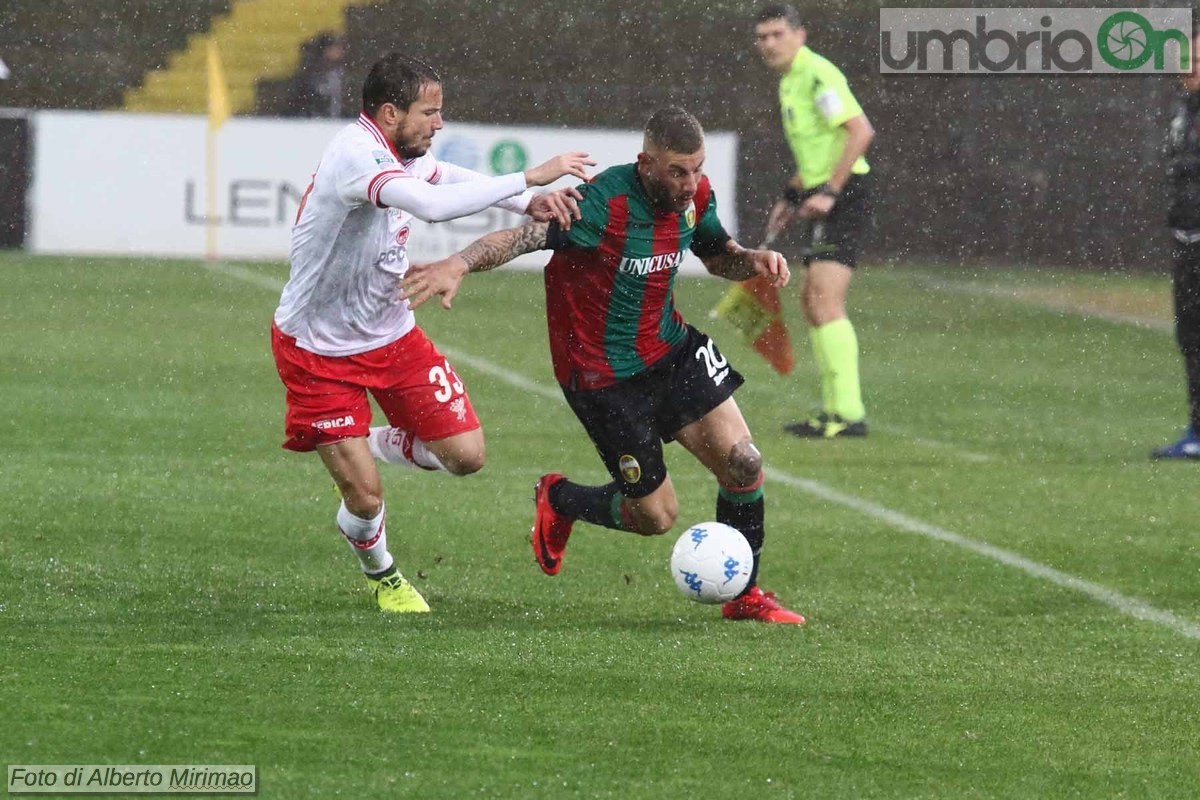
711	562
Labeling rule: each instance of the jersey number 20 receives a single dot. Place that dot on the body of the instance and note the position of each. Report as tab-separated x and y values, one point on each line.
716	364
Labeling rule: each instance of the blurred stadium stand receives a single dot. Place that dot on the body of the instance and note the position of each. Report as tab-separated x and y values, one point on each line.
83	55
1058	170
257	39
1061	170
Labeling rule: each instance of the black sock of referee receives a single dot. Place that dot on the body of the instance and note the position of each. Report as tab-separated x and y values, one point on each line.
599	505
742	508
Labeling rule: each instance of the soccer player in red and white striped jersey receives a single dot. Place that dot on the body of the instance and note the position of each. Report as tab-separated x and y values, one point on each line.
338	332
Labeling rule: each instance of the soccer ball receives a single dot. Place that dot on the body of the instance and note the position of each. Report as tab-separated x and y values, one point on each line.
711	562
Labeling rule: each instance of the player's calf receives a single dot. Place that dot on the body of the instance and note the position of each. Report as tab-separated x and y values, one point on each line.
653	515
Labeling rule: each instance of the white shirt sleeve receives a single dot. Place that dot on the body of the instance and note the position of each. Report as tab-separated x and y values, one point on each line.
358	167
364	173
452	173
399	189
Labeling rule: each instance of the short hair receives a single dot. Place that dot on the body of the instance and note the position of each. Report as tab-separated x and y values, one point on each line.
674	129
396	79
784	11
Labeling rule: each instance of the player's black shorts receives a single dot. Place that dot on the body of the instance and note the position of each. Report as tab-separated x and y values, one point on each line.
839	236
630	420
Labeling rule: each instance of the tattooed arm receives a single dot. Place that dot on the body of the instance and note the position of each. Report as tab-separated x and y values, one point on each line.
423	281
501	247
737	263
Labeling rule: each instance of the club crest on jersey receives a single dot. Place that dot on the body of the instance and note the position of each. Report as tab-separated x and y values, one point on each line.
690	215
631	470
402	235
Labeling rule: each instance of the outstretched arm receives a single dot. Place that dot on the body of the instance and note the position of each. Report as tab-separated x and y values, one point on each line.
423	281
561	205
738	263
439	203
432	203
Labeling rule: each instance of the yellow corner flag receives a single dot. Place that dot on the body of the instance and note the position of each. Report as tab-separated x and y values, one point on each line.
218	112
218	94
753	307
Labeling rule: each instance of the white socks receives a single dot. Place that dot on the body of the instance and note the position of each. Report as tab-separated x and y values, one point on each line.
367	538
395	446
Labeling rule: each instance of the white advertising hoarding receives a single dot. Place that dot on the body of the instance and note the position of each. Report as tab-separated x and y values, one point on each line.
117	183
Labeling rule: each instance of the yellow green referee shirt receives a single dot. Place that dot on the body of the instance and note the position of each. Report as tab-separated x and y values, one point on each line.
816	102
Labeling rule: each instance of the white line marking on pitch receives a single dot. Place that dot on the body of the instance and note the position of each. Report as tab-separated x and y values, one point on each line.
508	376
1126	605
934	444
244	274
921	441
1086	312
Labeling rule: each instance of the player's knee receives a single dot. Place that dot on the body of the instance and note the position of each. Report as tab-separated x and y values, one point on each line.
361	500
655	519
656	523
466	463
745	463
822	309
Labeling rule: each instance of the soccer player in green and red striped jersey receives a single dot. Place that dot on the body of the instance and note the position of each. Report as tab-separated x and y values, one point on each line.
612	278
635	374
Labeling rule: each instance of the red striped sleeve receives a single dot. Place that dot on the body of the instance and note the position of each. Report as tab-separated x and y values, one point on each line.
377	183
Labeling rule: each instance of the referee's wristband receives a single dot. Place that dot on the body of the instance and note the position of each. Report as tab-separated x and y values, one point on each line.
796	197
792	195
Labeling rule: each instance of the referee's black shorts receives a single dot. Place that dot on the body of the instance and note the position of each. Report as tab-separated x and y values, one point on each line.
839	236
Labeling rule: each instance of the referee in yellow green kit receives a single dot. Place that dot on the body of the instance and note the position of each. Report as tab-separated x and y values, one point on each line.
828	134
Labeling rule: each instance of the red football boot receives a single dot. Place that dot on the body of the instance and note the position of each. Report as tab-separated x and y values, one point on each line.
759	605
550	529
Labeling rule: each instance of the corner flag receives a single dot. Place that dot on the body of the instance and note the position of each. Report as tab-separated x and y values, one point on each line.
218	112
218	94
753	307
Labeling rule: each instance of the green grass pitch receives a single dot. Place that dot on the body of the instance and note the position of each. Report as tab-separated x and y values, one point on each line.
1003	590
